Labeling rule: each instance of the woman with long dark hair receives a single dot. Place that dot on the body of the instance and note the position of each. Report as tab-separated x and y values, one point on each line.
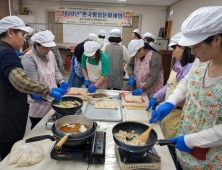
95	66
136	34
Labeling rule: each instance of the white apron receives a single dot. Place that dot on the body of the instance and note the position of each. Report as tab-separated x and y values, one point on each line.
46	76
94	73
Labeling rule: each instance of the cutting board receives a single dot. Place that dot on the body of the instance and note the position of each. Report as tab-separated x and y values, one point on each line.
137	114
128	101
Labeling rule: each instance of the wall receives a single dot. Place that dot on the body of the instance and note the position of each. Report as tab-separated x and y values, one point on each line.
183	8
153	17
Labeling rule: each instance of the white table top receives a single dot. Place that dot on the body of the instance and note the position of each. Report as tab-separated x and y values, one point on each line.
111	162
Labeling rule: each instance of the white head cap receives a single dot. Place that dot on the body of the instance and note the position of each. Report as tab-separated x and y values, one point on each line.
45	38
153	45
90	48
102	33
92	37
12	22
201	24
175	39
115	33
137	31
134	46
148	35
31	32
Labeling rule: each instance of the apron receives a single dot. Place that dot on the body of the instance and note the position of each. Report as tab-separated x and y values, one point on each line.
170	123
13	110
201	111
94	73
115	53
46	76
142	74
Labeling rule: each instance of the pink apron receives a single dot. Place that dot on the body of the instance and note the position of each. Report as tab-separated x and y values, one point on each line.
142	74
46	76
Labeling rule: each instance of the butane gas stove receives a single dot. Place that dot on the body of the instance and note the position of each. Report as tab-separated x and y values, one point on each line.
129	161
93	151
57	116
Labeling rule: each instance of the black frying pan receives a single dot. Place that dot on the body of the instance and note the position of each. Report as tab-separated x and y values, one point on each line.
69	142
139	128
66	111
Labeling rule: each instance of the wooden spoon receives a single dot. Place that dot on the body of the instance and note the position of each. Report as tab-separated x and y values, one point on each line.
143	138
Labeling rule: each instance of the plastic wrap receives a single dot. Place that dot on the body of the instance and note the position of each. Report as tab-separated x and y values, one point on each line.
23	154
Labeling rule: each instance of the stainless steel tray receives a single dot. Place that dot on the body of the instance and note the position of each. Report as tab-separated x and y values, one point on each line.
103	114
115	95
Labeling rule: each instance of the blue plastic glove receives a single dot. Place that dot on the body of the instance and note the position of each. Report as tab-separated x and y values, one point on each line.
180	144
92	89
153	115
19	53
151	103
35	97
87	83
55	94
131	81
137	92
65	85
60	90
162	112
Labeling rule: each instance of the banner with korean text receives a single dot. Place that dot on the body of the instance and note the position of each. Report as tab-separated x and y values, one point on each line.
93	16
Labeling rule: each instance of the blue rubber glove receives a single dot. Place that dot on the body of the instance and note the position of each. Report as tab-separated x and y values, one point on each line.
151	103
55	94
92	89
19	53
137	92
153	115
60	90
65	85
131	81
180	144
35	97
162	112
87	83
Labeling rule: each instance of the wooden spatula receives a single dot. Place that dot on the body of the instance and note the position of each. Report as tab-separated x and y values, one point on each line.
145	135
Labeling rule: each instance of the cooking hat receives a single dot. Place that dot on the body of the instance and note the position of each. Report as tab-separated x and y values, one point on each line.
45	38
148	35
175	39
13	22
134	46
115	33
102	33
137	31
92	37
90	48
201	24
31	32
153	45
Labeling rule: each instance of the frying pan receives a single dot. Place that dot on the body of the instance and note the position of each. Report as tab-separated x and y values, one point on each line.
139	128
66	111
69	142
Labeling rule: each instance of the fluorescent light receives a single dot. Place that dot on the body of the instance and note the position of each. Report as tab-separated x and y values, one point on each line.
92	4
121	0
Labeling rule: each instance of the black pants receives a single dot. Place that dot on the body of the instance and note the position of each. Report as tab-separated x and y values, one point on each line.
174	157
113	89
34	121
5	149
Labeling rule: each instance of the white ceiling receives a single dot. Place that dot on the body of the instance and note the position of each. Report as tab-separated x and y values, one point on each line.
134	2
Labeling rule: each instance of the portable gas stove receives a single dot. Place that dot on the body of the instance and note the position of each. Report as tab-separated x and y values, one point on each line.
128	160
57	116
93	151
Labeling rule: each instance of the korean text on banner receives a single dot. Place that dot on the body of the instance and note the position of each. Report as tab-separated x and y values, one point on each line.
93	16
